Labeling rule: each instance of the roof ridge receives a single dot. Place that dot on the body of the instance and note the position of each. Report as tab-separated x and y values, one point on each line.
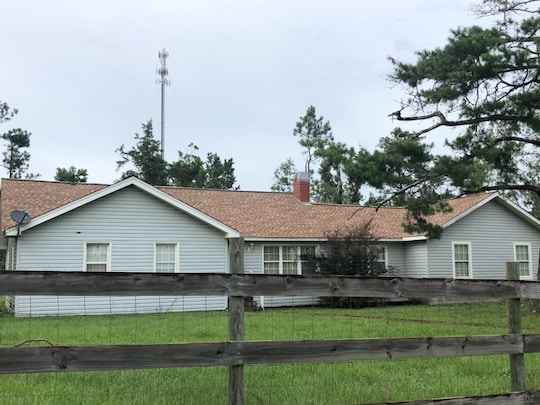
52	182
487	192
224	190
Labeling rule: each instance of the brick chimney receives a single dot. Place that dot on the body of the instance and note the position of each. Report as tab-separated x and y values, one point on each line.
301	186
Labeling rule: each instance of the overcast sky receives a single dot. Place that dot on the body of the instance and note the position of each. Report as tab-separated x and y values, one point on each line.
242	72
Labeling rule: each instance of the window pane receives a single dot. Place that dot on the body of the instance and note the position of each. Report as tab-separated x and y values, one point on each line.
96	267
461	252
166	257
522	253
96	252
96	256
462	269
165	252
523	268
271	253
290	253
165	267
290	268
271	268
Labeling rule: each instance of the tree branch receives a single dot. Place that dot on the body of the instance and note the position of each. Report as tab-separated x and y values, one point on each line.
446	123
401	191
516	187
534	142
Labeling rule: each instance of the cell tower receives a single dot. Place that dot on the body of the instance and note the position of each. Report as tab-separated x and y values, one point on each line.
163	81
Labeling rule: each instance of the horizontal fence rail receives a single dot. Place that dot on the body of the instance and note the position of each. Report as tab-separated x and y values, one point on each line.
132	284
122	357
515	398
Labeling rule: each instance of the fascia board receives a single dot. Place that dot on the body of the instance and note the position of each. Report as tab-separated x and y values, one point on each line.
516	209
131	181
322	239
412	238
285	240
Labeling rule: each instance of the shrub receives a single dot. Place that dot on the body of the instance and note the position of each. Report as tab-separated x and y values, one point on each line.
349	251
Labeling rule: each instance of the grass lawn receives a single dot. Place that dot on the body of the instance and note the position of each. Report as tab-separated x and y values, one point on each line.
308	383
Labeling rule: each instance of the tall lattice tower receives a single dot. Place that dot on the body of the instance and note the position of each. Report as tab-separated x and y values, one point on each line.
163	81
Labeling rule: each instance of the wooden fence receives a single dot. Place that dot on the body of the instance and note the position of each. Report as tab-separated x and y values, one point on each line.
236	352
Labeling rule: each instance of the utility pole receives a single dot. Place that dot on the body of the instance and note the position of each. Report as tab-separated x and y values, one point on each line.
163	81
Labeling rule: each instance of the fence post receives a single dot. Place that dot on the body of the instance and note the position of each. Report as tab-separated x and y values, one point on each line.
236	322
517	362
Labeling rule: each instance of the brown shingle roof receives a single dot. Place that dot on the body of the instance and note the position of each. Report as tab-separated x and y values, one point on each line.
254	214
39	197
281	215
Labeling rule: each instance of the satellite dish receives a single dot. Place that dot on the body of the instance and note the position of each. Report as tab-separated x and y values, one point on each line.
21	217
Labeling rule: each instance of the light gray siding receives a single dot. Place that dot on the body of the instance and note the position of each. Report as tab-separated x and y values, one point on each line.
131	221
294	301
416	259
90	305
253	258
491	230
395	257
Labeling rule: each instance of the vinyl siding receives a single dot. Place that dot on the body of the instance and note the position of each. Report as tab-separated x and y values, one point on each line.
90	305
491	230
395	258
296	301
416	259
131	221
253	261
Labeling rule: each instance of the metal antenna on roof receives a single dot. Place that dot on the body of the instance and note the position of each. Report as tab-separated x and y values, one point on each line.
163	81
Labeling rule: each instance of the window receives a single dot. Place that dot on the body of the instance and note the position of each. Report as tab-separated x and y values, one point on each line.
271	259
522	255
11	259
97	256
462	259
381	257
166	258
288	260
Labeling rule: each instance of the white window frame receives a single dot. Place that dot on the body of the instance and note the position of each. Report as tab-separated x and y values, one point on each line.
529	276
469	253
107	263
280	260
176	255
384	255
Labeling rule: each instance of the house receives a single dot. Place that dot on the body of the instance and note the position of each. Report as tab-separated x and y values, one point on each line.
133	226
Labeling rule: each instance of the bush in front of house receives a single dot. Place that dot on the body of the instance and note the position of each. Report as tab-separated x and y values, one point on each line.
349	251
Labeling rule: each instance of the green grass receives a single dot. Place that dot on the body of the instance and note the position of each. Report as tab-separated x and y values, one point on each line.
308	383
